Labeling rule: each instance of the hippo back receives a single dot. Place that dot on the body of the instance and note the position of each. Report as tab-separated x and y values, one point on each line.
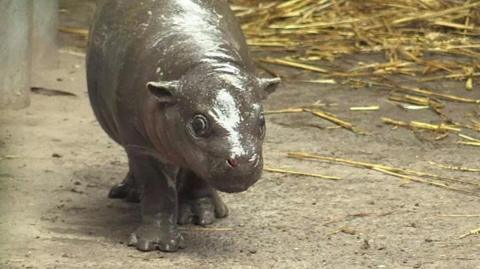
133	42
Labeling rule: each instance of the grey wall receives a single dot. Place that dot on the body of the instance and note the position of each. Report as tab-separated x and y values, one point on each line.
15	60
28	33
44	34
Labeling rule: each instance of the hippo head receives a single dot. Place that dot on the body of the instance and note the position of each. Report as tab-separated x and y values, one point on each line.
214	121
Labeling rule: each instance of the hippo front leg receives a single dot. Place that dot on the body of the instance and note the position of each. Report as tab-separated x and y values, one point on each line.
199	203
158	204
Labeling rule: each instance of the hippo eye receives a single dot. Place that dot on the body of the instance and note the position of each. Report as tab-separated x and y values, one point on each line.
199	125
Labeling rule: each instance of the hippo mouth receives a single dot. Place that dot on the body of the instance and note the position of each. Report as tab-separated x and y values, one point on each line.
235	180
234	187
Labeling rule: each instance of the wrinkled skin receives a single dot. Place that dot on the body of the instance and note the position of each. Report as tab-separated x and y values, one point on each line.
172	82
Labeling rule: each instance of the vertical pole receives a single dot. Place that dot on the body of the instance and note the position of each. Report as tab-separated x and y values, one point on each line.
44	35
15	59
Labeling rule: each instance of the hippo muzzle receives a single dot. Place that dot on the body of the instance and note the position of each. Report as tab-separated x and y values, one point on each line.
236	174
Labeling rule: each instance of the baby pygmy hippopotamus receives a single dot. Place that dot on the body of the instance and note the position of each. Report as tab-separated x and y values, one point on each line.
172	82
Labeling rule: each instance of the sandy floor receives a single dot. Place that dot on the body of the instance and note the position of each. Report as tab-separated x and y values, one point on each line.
57	165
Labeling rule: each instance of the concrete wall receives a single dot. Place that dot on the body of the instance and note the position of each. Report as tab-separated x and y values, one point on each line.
28	41
44	34
15	60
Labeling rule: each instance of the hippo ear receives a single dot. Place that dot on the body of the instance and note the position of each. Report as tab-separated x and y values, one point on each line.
268	85
164	91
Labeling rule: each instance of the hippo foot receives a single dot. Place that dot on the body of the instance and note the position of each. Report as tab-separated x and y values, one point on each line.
126	189
151	237
202	211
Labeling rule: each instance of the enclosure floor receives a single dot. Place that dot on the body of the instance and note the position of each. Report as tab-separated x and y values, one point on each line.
60	165
57	165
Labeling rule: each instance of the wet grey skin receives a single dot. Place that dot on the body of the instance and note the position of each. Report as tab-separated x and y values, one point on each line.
173	83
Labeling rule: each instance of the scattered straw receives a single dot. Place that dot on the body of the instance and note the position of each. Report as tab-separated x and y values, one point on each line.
417	100
417	176
318	81
9	157
443	96
452	76
433	14
469	138
421	125
293	63
468	143
364	108
321	114
455	168
472	232
283	111
334	119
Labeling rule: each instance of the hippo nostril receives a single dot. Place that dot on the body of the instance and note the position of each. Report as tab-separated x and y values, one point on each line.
232	162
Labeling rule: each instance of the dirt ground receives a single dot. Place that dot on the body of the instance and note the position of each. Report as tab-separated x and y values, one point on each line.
57	165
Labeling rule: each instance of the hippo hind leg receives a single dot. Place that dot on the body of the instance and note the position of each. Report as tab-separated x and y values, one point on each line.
127	189
199	203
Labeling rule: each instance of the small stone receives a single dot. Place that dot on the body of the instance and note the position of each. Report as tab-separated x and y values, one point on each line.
348	230
365	245
76	190
56	155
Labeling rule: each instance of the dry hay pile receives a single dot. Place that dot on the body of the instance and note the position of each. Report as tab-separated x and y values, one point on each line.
424	39
410	33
